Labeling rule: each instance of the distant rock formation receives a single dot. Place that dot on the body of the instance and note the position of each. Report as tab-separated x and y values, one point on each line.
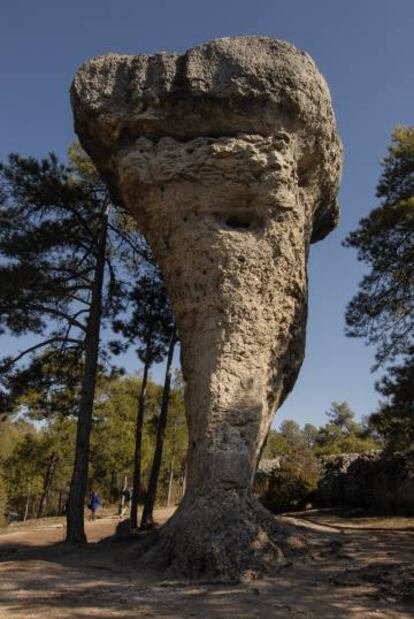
372	480
264	475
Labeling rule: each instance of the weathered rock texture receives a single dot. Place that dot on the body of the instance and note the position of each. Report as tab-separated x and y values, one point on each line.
373	480
228	158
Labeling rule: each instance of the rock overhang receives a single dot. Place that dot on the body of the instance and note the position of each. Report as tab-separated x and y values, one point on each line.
224	88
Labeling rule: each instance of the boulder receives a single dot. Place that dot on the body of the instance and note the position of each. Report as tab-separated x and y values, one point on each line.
374	480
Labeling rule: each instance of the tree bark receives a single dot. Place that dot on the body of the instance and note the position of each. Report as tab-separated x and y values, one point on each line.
75	513
184	481
136	482
170	481
50	473
122	502
147	516
26	508
171	473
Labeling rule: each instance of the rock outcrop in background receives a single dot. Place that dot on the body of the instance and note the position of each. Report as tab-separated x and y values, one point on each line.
376	481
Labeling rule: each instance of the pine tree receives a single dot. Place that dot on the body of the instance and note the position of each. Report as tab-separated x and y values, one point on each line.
395	418
151	325
383	310
147	516
341	415
58	242
48	387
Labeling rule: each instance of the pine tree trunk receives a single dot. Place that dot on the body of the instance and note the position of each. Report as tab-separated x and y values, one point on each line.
26	508
136	482
47	487
171	473
170	481
122	503
113	486
75	513
34	507
147	516
184	482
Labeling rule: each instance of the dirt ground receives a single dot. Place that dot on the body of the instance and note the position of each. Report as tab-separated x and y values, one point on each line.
358	567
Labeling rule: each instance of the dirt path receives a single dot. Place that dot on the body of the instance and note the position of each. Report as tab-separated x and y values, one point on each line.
352	572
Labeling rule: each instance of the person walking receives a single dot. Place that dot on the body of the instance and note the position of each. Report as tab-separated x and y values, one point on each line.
93	505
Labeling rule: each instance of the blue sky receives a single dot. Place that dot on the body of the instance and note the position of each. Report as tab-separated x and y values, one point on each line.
364	49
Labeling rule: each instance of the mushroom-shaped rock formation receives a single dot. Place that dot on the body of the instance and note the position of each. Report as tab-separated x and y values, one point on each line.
228	158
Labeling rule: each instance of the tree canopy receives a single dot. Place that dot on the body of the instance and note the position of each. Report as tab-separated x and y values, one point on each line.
382	312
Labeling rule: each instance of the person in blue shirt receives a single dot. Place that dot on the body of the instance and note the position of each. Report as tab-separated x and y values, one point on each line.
93	504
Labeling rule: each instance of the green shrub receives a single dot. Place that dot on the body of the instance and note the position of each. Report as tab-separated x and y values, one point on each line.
293	484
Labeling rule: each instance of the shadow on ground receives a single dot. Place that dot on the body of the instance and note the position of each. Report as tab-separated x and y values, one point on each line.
349	573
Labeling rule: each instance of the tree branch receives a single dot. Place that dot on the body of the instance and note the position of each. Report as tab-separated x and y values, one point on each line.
22	354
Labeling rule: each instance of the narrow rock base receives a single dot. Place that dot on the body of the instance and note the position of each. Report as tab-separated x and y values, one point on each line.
222	536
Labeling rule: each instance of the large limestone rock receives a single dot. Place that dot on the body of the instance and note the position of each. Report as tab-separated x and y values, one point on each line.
228	158
374	480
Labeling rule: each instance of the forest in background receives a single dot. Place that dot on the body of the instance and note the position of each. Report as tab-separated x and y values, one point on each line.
37	457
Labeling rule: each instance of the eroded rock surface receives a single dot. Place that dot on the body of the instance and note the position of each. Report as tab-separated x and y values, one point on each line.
375	480
228	158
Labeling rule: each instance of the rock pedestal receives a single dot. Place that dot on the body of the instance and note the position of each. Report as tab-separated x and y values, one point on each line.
228	158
